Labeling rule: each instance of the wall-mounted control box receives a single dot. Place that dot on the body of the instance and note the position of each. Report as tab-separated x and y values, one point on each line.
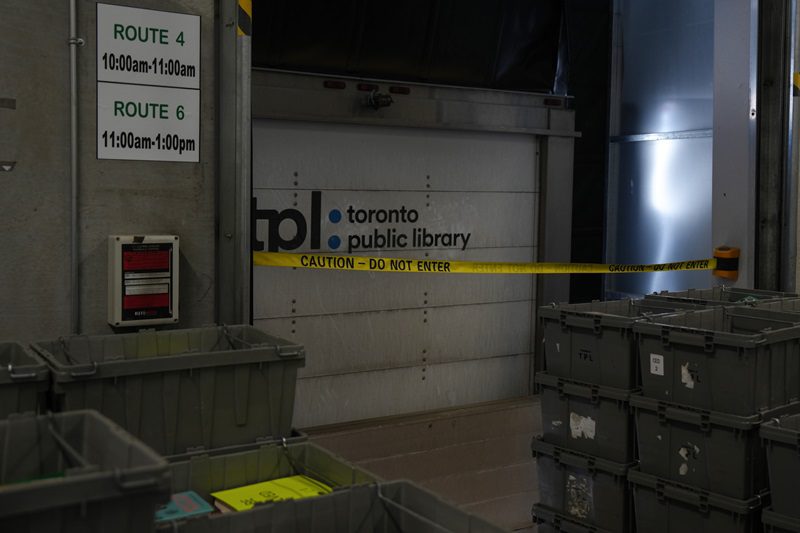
142	280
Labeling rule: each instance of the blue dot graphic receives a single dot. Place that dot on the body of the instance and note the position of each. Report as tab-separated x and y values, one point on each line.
335	216
334	242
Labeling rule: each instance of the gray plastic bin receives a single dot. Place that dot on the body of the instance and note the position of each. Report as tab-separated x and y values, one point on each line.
778	523
591	490
181	390
394	507
593	342
667	507
785	305
74	472
782	440
734	360
587	418
551	521
226	468
717	296
709	450
24	380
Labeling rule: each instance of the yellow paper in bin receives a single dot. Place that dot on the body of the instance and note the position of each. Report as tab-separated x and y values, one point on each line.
286	488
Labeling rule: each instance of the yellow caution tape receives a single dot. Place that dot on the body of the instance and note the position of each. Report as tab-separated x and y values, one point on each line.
386	264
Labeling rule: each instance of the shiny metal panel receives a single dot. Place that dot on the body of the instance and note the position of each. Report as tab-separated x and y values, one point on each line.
668	48
660	169
663	199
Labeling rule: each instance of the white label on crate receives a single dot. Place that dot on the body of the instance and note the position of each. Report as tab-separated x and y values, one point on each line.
656	364
688	452
686	377
582	427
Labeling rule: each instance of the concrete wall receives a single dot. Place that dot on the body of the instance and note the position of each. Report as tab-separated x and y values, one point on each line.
115	196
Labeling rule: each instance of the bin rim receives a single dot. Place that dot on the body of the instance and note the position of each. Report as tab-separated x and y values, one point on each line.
771	430
576	459
558	310
662	486
710	302
684	413
542	513
571	387
789	331
278	350
771	518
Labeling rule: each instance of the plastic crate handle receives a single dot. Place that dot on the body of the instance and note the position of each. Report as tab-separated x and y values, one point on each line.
582	391
689	339
575	461
586	322
92	370
286	352
683	495
700	420
133	484
19	375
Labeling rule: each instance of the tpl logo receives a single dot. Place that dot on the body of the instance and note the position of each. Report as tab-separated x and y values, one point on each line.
275	242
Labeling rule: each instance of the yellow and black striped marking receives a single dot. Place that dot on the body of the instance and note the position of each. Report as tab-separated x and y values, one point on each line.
244	18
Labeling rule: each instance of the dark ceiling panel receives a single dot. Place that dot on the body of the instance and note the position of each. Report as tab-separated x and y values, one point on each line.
465	47
508	44
529	44
305	35
393	39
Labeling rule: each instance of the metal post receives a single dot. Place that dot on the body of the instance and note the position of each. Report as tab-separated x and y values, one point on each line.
74	42
234	189
735	124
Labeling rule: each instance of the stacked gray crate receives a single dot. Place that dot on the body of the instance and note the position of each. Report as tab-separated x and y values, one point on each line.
709	379
588	443
781	437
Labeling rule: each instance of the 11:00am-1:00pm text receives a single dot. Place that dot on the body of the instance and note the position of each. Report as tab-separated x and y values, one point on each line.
128	140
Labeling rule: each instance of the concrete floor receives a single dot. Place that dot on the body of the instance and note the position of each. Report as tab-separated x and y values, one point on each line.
477	457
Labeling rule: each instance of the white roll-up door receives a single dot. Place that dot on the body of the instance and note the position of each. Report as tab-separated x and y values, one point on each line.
383	344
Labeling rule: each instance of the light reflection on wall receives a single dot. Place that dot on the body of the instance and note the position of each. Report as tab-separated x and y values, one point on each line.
659	206
679	198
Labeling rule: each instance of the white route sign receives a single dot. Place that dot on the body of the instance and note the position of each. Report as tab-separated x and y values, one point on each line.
147	47
148	84
147	123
